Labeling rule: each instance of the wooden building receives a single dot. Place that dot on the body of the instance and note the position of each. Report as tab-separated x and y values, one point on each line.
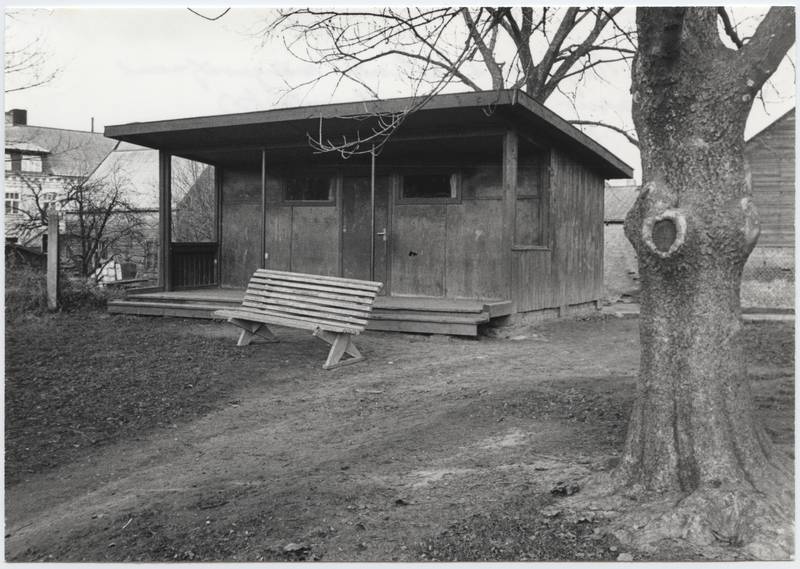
770	155
768	278
483	203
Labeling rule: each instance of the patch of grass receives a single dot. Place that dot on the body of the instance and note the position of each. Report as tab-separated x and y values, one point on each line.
519	531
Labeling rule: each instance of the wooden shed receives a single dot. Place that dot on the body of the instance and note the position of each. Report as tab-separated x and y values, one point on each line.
770	156
479	205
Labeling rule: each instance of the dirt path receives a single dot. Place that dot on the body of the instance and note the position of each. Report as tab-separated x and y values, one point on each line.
369	462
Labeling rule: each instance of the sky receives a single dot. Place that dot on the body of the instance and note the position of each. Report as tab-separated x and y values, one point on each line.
140	64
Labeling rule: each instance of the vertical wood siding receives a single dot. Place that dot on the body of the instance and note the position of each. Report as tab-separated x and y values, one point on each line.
571	271
771	155
241	227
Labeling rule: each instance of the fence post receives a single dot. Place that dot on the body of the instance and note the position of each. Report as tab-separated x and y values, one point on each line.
52	261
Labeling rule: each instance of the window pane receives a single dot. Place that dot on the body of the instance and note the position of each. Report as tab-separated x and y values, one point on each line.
528	223
194	202
308	189
426	186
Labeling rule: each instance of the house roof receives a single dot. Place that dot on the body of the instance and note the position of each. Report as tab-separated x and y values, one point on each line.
618	201
69	152
223	138
135	170
771	125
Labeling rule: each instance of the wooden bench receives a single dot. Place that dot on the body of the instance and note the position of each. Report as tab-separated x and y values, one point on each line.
333	308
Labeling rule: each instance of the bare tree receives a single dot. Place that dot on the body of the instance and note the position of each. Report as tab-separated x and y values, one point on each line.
98	216
194	198
27	64
537	49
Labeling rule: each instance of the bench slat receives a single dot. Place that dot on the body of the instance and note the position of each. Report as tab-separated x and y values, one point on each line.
313	295
300	302
305	277
357	309
278	306
305	286
269	317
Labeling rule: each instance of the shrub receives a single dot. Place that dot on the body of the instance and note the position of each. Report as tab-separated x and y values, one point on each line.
26	293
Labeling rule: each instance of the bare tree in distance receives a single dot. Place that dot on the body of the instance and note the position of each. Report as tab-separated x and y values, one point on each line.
27	65
194	201
97	216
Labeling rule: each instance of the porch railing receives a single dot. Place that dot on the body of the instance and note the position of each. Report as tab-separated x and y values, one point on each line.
194	265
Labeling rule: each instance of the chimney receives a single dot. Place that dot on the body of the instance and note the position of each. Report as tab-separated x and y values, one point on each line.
92	124
16	117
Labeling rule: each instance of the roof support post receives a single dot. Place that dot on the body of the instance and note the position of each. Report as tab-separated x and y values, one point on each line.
372	215
510	164
263	262
165	220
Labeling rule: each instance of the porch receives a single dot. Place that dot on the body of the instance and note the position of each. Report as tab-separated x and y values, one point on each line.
421	315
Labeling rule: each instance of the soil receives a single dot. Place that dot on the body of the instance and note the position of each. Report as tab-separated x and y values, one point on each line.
138	439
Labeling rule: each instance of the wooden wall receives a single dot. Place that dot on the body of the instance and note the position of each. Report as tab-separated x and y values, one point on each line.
299	238
569	270
452	249
770	155
456	250
240	236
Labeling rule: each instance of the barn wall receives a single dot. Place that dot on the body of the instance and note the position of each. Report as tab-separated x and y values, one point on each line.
569	269
452	249
298	238
241	226
771	155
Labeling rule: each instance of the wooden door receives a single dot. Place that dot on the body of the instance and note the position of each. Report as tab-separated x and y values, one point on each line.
417	249
357	228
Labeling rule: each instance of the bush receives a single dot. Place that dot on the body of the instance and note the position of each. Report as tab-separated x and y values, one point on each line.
26	293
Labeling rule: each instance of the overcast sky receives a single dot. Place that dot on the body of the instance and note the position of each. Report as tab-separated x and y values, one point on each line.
140	64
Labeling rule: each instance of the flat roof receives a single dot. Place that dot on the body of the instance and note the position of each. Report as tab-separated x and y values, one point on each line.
210	138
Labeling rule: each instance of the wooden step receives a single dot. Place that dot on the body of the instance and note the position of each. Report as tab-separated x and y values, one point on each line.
160	308
442	317
416	327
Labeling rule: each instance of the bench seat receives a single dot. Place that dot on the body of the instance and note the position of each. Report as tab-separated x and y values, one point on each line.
334	309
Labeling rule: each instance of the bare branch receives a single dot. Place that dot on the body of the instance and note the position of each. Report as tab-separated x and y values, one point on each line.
211	19
729	29
627	134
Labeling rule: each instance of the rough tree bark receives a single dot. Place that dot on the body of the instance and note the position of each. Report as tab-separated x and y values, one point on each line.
694	436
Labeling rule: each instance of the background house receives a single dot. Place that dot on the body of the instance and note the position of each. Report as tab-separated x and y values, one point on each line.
768	279
41	165
620	266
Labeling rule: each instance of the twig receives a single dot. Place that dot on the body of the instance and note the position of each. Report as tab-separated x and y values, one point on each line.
127	523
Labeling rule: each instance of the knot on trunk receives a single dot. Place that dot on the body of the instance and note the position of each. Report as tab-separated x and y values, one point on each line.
664	234
752	227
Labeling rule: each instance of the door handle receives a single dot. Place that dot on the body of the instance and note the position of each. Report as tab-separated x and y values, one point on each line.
382	233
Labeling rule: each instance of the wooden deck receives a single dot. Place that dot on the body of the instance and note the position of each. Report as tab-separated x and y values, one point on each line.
424	315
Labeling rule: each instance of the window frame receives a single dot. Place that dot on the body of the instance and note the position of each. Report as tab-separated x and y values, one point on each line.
333	186
455	181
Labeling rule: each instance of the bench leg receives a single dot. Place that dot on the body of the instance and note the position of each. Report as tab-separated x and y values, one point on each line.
340	344
250	330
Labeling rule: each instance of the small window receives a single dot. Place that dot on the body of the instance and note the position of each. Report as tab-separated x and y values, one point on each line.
440	186
31	163
49	200
12	202
315	189
13	161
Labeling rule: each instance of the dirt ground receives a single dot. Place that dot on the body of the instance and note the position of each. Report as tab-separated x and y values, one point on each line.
137	439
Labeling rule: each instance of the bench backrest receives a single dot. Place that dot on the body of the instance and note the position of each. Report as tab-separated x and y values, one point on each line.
332	303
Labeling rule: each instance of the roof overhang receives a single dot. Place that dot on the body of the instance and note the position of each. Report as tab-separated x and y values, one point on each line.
222	138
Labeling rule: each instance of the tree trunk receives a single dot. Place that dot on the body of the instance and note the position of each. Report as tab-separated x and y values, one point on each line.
694	432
